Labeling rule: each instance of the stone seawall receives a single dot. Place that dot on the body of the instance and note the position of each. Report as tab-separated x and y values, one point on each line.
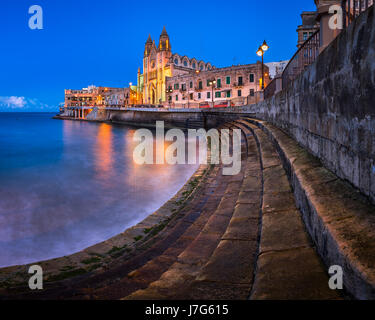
147	118
180	118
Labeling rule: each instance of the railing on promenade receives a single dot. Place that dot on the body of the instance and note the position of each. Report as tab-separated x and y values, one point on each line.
309	50
304	56
269	91
353	8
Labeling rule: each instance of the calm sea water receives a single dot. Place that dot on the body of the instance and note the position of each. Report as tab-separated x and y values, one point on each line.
66	185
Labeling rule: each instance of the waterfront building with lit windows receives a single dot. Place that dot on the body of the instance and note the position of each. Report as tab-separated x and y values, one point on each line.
82	101
117	97
230	86
308	27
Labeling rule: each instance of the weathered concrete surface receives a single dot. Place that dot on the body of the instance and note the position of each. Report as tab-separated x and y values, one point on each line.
340	220
97	115
147	117
186	119
287	266
210	256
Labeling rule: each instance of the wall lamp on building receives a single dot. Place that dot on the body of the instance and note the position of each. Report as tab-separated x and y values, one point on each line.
212	84
169	92
131	93
262	49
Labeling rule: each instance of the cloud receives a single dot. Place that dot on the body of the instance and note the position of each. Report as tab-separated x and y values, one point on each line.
13	102
23	103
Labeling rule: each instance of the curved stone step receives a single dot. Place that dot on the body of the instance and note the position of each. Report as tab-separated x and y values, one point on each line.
229	272
287	266
186	231
165	252
340	220
177	281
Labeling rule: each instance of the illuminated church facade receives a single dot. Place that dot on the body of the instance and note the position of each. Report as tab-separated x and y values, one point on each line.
159	63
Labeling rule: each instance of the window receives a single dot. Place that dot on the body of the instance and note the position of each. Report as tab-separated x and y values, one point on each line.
310	34
305	36
240	81
208	95
191	96
201	68
228	94
183	87
193	65
176	61
228	80
176	86
176	97
208	83
251	77
200	85
191	84
239	93
185	63
199	95
252	93
218	83
218	94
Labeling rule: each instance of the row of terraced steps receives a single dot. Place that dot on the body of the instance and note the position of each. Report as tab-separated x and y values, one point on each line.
246	237
254	246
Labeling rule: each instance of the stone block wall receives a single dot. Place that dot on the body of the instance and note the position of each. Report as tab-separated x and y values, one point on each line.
330	108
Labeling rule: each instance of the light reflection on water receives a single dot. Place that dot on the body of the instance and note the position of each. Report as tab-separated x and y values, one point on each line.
66	185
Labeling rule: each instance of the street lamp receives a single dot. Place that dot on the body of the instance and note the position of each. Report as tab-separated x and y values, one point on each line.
262	49
131	93
212	84
169	91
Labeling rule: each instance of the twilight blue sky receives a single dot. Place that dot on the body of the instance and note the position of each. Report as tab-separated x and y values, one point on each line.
96	42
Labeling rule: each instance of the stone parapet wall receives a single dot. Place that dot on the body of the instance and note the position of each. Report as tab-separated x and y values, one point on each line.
330	108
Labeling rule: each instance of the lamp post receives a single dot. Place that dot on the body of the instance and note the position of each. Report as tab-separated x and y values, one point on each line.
169	91
262	49
131	93
212	84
